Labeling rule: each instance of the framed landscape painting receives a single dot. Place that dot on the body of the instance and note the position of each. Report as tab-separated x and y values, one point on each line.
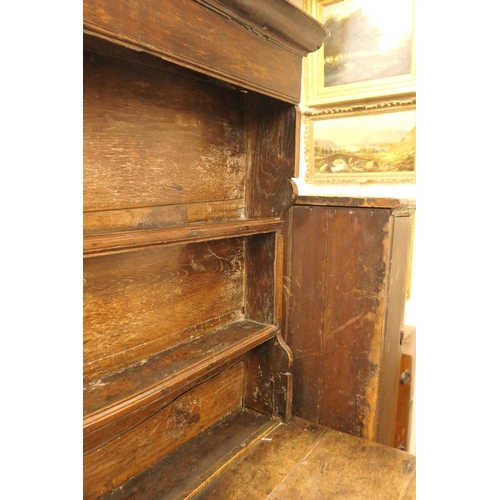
370	51
351	147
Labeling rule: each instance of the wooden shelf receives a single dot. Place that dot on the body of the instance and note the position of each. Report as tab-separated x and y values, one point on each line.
248	455
119	241
185	471
153	383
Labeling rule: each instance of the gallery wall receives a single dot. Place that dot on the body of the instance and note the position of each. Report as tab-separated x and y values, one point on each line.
406	190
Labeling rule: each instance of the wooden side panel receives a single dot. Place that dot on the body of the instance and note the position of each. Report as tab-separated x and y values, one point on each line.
272	148
259	277
138	297
191	35
156	138
268	381
394	326
304	285
355	303
190	414
336	278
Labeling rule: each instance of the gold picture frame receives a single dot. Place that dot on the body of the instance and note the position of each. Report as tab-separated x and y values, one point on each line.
369	53
361	144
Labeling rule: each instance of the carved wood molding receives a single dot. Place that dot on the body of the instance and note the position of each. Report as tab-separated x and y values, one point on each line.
278	21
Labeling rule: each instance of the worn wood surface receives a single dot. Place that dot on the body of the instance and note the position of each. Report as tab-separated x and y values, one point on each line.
116	403
153	138
268	379
145	444
181	31
305	460
304	292
336	276
186	177
273	132
128	296
404	404
394	322
259	473
119	241
188	469
346	201
103	427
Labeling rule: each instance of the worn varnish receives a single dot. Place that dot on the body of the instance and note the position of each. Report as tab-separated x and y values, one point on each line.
146	443
344	289
188	469
305	460
191	137
191	35
154	138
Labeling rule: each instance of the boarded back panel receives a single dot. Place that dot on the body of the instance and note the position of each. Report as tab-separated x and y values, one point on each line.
354	318
146	443
156	138
135	297
304	294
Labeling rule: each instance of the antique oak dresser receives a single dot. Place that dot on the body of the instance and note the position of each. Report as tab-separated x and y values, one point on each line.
191	137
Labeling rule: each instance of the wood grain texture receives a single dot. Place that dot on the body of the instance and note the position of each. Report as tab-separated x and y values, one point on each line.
188	469
411	492
255	476
355	304
154	138
304	285
103	428
165	216
273	130
336	277
181	32
268	379
145	444
280	18
138	384
347	201
119	241
391	348
343	466
127	297
404	405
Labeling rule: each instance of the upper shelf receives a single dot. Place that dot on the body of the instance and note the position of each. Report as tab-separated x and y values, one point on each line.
101	243
261	43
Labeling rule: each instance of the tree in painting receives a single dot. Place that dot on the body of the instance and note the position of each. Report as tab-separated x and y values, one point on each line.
358	49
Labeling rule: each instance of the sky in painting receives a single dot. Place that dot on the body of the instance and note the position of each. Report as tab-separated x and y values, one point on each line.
393	17
346	131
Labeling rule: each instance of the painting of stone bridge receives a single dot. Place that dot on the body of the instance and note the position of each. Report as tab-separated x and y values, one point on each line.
371	145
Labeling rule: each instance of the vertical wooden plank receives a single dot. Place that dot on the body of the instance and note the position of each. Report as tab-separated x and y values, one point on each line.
304	285
272	128
259	277
267	382
404	403
353	324
391	348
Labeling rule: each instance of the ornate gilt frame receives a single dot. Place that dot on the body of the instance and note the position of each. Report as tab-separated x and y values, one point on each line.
316	94
310	117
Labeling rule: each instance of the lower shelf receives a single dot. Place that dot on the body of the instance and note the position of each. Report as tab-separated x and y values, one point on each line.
156	380
250	456
186	471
